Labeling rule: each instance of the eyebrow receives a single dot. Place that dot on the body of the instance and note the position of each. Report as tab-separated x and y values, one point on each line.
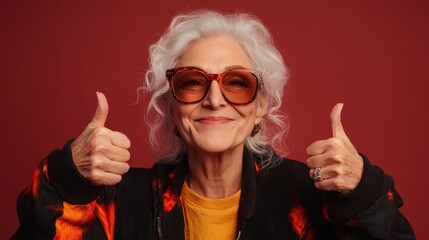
225	69
233	66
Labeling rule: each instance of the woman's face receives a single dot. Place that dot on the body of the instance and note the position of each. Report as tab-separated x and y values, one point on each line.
214	125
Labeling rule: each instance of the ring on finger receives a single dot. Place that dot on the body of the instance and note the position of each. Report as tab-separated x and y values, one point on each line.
316	175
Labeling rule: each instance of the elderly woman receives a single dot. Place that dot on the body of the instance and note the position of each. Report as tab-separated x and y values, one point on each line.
217	83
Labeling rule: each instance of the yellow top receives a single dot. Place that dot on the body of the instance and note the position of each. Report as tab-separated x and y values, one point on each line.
207	218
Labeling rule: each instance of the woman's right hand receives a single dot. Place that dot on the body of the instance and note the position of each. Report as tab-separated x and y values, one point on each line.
99	153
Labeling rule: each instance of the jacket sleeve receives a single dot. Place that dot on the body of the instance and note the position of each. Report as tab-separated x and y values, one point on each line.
59	203
371	211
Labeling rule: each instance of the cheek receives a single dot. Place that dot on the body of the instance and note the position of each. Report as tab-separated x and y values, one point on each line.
248	113
181	114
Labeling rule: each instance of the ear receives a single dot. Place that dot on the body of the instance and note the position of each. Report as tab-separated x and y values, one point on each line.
261	108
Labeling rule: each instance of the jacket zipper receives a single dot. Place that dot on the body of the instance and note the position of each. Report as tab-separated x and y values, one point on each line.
241	230
159	227
238	235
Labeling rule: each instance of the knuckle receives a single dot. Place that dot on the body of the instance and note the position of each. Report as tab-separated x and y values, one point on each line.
107	182
336	172
99	131
92	141
334	143
98	134
99	148
336	157
92	158
94	177
113	180
313	162
97	163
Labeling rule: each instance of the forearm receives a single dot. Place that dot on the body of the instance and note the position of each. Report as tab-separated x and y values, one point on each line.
370	211
53	208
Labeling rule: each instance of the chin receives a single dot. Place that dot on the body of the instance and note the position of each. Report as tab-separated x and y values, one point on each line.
218	146
215	140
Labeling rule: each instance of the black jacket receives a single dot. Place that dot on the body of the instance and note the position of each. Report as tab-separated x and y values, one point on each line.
276	203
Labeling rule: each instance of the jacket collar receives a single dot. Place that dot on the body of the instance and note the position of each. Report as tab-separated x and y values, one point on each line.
248	188
169	183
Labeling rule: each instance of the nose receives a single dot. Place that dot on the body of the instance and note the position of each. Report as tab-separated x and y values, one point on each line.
214	98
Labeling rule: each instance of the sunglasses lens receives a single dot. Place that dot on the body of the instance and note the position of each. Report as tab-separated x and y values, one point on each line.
189	86
239	86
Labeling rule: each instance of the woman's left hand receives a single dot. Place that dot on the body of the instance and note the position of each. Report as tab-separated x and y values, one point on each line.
334	163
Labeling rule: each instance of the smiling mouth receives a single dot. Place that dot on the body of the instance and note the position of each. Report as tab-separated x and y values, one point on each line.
214	120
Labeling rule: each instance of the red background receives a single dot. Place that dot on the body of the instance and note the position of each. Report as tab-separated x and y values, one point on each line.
371	55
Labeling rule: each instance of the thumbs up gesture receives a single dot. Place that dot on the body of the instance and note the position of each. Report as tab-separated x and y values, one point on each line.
99	153
334	163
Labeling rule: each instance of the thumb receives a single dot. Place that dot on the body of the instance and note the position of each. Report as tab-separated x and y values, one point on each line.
101	112
337	126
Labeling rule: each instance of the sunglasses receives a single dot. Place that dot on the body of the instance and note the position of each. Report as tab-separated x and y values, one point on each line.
191	84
